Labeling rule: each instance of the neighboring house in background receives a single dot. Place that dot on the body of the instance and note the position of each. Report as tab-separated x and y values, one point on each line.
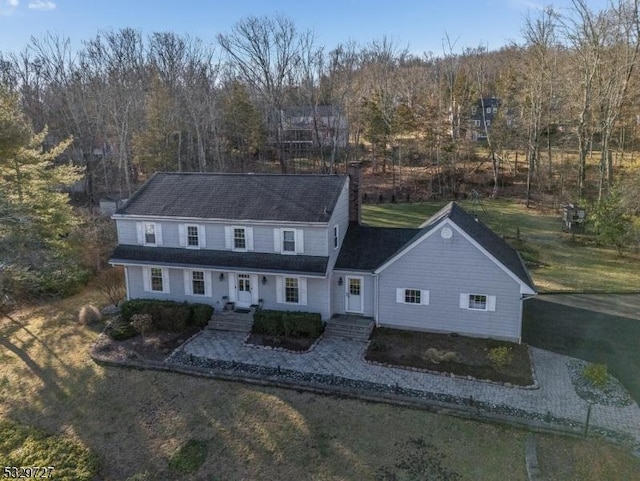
294	242
483	113
304	128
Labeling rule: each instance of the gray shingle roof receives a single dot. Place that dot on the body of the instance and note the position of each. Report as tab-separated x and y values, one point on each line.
262	197
256	261
365	248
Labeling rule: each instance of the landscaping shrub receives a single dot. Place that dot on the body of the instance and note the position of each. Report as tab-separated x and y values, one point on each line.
285	323
168	315
596	374
121	330
89	314
201	314
142	323
500	357
437	356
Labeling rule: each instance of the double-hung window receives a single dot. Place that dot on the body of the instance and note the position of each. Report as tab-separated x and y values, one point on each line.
197	283
193	239
156	280
288	240
149	233
239	238
291	290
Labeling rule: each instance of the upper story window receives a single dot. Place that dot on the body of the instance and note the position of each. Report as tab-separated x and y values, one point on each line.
477	301
192	236
288	240
476	123
474	110
336	237
495	110
149	233
238	238
412	296
488	110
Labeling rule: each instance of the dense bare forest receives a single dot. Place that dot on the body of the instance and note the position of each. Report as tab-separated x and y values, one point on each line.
559	109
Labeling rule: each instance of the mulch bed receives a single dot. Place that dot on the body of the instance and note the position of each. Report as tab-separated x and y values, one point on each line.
157	346
405	348
298	344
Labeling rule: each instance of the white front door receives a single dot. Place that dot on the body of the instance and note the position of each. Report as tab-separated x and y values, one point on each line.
354	294
243	295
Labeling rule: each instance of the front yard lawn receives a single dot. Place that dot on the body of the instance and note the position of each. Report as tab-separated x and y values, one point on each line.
463	356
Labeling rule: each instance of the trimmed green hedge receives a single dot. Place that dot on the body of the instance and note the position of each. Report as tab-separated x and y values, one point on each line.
121	330
168	315
287	323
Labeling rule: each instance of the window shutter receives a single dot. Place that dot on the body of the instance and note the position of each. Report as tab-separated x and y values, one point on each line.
400	295
464	301
140	232
228	237
232	287
254	289
276	240
491	303
249	235
279	289
188	285
159	234
424	298
202	235
146	279
182	234
207	284
302	291
299	241
165	281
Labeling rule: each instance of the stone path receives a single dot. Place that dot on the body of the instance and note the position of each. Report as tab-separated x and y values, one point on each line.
345	358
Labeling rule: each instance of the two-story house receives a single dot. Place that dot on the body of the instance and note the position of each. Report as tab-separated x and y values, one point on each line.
295	242
483	113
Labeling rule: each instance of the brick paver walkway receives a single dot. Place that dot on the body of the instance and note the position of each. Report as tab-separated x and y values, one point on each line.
345	358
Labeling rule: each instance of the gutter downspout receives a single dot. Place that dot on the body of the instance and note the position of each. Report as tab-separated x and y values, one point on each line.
375	299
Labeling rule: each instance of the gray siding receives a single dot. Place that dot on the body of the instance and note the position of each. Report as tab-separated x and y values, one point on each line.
317	291
340	217
338	293
315	238
447	268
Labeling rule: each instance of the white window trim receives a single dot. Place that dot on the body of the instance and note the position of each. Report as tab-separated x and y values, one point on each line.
298	239
141	233
146	279
188	283
184	236
490	305
230	240
401	296
302	290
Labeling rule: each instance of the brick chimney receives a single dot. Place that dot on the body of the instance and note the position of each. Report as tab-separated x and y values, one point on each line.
355	193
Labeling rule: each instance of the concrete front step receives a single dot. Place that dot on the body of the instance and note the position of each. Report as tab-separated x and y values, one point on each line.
350	327
231	321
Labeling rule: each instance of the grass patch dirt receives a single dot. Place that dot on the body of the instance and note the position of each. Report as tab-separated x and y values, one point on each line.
136	421
190	457
558	261
446	353
56	457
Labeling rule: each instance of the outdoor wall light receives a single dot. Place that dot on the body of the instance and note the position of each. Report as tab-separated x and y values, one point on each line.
221	276
340	281
264	280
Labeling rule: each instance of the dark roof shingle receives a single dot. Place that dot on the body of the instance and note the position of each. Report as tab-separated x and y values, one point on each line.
256	261
261	197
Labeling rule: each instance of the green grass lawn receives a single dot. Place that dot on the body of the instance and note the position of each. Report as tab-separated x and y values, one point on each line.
558	262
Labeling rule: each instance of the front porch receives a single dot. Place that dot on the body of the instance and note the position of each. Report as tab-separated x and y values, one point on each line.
357	328
236	320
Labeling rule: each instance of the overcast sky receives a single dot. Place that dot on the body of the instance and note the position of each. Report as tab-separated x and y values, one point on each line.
418	25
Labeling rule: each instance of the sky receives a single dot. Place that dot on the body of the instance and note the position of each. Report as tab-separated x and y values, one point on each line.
419	25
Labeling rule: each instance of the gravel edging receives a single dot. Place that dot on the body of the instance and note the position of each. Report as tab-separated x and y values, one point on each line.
468	408
612	394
